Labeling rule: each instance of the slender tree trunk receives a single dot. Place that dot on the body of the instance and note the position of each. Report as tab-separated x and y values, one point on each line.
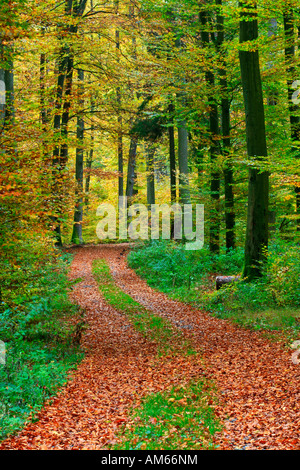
90	156
131	189
88	166
56	167
150	152
292	75
258	187
78	212
7	107
184	190
131	170
10	98
214	232
228	176
225	115
2	99
183	146
131	185
214	241
272	95
45	111
120	151
120	123
74	9
172	154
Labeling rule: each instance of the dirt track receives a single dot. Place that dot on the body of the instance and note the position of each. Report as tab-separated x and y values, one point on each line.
258	385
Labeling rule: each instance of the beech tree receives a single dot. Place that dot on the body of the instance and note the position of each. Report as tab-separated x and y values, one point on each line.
292	78
258	182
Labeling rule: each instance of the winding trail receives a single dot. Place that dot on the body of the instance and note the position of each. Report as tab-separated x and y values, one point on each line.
258	385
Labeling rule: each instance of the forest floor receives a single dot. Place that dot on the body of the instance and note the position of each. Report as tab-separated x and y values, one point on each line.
257	384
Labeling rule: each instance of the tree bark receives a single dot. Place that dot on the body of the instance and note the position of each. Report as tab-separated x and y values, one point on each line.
226	143
258	187
131	170
78	212
90	156
150	151
289	32
184	190
183	145
120	122
73	9
7	107
172	154
214	231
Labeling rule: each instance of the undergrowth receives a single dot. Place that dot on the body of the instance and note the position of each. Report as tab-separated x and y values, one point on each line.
269	303
38	327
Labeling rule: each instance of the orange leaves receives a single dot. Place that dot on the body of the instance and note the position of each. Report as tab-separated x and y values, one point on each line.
256	382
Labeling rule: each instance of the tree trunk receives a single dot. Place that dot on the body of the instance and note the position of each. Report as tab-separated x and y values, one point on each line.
183	146
120	122
172	160
258	187
73	9
66	111
292	75
172	154
88	166
7	109
90	156
225	114
131	170
150	151
78	212
184	190
214	237
214	231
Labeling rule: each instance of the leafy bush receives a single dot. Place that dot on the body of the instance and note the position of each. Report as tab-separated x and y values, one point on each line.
168	265
36	326
269	302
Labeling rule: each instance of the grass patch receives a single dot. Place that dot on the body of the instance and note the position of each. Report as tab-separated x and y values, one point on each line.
153	327
180	418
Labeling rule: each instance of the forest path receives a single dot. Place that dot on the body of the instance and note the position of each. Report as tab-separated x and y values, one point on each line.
258	385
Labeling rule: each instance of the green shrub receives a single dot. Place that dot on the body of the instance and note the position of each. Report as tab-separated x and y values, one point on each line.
270	302
36	326
168	265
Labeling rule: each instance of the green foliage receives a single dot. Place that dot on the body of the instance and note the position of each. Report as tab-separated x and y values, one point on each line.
271	302
149	128
179	418
39	336
170	267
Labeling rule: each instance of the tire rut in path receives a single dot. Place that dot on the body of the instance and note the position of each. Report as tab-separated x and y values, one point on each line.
259	386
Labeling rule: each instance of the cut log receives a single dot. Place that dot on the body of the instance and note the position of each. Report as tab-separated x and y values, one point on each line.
221	280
